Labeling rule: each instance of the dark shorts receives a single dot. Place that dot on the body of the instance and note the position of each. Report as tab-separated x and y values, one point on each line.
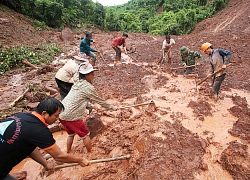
64	87
117	51
78	127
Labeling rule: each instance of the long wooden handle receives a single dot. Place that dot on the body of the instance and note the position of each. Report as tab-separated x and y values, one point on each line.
109	159
94	161
124	107
211	75
100	54
102	57
159	60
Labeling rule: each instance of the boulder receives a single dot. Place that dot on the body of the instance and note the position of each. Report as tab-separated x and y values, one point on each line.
67	35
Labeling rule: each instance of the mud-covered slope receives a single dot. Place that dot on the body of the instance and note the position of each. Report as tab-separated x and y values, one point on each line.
18	30
233	19
187	136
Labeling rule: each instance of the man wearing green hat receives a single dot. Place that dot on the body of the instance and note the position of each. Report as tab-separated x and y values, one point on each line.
189	58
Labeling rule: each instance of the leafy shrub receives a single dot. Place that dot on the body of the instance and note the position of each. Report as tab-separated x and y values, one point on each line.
43	53
218	5
40	25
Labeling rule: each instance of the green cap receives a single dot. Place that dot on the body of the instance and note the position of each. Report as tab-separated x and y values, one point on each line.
183	49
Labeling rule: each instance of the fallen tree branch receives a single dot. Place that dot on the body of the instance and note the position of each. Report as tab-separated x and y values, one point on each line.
29	64
19	98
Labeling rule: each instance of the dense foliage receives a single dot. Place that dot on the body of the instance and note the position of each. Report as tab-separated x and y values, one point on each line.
148	16
156	17
160	17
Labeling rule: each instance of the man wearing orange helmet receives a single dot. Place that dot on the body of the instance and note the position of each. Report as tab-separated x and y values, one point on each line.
219	58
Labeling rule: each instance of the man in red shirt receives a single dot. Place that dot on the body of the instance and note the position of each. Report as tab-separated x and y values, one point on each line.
117	46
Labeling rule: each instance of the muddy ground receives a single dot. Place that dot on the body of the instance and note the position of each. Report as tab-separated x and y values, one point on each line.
187	135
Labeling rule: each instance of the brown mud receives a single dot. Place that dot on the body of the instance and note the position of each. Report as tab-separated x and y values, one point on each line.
187	135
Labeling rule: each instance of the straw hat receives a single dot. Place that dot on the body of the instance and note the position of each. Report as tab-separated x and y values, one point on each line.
86	68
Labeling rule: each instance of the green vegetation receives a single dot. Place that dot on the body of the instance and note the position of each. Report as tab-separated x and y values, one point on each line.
35	55
176	16
157	17
40	25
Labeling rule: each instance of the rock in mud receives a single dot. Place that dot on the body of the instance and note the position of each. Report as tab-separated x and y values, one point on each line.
236	160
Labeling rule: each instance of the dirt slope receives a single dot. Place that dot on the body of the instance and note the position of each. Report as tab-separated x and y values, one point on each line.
187	136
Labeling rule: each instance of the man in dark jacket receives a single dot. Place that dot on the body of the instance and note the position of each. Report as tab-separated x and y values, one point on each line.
219	58
85	47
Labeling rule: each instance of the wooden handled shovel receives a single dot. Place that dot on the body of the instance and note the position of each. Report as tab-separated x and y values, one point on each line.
43	172
211	75
94	161
101	54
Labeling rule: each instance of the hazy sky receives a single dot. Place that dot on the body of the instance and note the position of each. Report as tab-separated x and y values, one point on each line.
111	2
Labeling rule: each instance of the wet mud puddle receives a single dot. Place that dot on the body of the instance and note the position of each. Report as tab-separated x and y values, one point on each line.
177	100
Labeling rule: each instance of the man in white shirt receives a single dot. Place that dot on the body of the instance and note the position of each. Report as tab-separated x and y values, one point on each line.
67	75
166	49
75	103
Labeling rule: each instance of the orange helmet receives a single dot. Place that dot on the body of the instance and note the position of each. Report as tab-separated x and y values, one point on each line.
205	46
